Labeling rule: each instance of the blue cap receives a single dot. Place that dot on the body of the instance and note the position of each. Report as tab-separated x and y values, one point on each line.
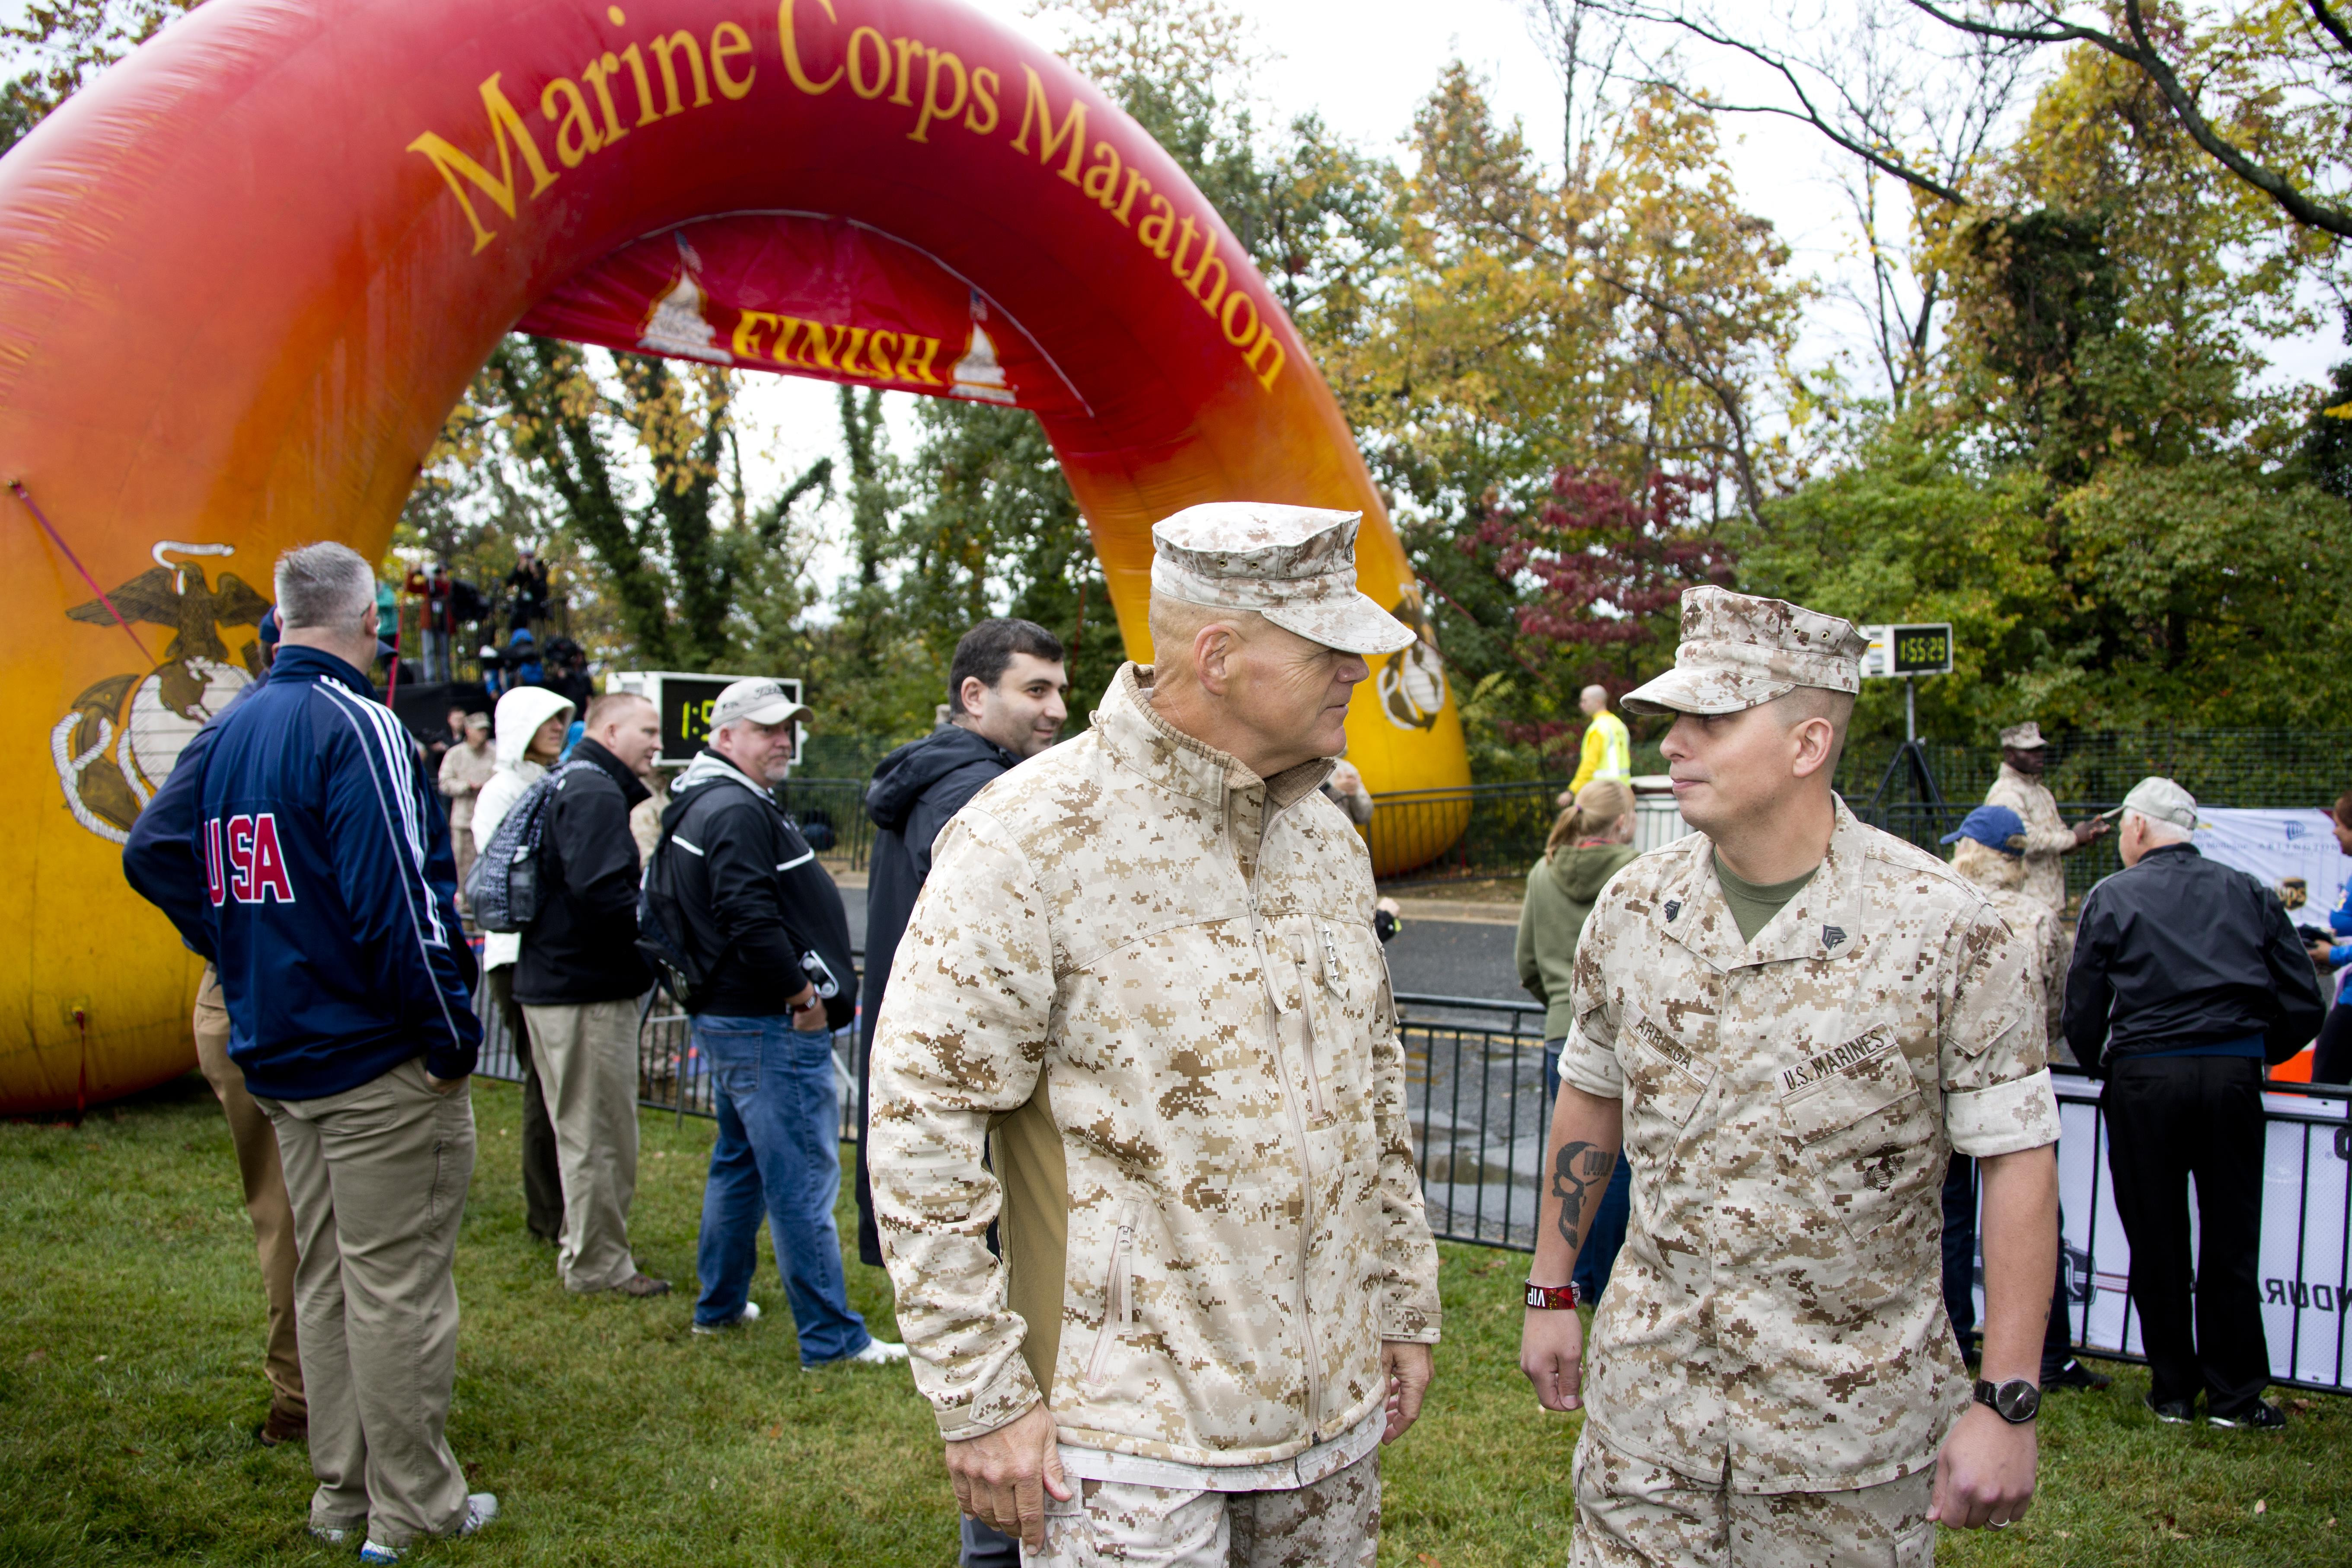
1994	827
268	628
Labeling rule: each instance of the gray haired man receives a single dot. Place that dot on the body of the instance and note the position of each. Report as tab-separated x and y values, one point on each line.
1143	977
2187	978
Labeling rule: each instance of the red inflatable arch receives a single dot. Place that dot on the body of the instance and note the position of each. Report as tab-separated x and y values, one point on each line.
247	273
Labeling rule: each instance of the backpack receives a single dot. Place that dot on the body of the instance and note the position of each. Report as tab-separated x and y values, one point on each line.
661	928
658	927
503	890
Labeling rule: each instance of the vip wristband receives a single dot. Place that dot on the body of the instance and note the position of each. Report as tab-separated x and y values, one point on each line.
1552	1298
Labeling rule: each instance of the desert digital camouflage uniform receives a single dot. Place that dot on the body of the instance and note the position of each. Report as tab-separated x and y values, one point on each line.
1331	1523
2047	837
1146	982
1775	1325
2001	879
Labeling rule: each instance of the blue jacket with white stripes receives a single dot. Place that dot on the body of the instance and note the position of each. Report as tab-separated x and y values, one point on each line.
329	901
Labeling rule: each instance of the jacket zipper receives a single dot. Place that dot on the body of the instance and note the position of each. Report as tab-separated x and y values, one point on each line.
1118	1296
1314	1351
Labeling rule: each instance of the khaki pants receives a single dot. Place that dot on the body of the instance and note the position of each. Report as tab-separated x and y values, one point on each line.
1334	1523
1630	1513
264	1193
378	1176
542	1173
587	1058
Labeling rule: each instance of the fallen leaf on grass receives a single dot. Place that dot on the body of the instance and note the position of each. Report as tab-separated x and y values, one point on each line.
33	1356
2299	1405
2262	1505
1425	1560
775	1432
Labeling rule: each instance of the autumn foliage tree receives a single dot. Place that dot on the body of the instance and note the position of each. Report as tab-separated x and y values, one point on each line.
1600	567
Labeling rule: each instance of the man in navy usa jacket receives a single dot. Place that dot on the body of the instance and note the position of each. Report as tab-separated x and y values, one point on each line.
159	861
328	910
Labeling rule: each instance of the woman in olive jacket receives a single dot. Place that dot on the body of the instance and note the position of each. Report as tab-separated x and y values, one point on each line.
1592	842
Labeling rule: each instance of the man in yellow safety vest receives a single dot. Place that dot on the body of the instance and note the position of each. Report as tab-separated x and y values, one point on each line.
1608	749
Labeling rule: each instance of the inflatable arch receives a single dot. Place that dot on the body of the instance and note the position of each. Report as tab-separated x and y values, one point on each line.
247	272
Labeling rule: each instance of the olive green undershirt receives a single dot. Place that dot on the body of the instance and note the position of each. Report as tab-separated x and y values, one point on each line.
1753	904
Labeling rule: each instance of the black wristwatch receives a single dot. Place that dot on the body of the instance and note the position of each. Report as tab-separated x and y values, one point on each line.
2016	1402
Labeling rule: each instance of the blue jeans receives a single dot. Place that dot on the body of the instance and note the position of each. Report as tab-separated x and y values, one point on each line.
1604	1237
779	1152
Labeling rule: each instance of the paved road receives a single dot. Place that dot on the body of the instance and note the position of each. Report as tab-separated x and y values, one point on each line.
1454	958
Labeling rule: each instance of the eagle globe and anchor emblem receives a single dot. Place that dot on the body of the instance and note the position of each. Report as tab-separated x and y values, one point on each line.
122	737
1410	682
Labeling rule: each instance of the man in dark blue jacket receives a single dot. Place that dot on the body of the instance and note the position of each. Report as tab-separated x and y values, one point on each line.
329	909
1007	701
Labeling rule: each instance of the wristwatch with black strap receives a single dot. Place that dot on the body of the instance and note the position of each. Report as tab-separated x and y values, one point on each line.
2016	1402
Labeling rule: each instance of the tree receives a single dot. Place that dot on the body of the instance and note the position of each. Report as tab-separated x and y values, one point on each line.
1602	566
677	551
2327	437
2257	91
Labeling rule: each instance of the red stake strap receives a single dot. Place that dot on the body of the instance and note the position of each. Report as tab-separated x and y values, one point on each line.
46	527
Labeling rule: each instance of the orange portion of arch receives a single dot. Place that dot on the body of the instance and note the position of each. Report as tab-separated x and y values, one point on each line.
247	272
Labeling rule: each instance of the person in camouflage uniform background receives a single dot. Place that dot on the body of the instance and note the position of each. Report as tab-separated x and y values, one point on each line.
1142	979
1994	864
2024	757
1788	1021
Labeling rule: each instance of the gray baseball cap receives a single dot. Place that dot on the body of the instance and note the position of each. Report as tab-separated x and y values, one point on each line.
762	699
2161	800
1295	565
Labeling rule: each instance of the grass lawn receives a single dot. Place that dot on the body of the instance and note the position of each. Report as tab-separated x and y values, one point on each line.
130	1380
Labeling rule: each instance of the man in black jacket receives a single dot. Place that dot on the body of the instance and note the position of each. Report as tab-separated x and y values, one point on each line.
1007	701
579	980
2187	978
764	928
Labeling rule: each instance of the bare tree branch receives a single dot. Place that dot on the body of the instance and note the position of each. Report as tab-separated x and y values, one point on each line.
1877	151
2334	25
2140	51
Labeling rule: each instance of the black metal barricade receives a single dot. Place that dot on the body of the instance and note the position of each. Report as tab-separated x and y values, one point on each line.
1479	1111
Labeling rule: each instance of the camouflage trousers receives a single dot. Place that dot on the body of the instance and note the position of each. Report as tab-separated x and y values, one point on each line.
1334	1523
1630	1513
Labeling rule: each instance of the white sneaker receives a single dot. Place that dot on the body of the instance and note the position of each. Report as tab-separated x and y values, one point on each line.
877	1352
480	1509
750	1314
332	1534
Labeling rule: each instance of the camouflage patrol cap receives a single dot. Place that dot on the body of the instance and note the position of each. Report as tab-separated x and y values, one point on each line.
1295	565
1737	651
2025	737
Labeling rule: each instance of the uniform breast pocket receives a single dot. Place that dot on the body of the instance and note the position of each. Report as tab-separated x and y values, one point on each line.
1665	1076
1862	1128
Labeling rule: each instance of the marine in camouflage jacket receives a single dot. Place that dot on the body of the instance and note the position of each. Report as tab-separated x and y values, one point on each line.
1790	1104
1149	981
2047	837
